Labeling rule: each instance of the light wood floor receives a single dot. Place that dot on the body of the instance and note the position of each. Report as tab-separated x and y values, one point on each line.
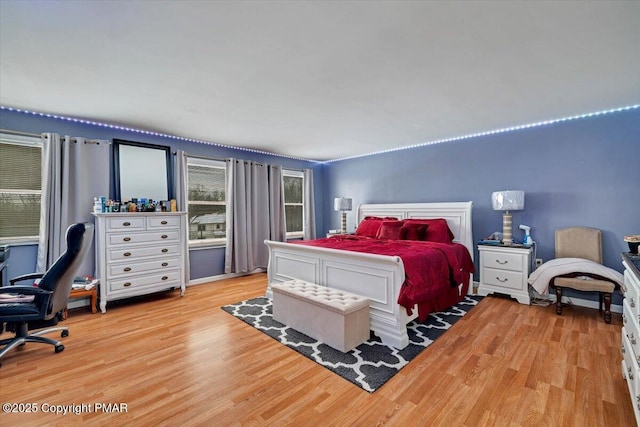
183	361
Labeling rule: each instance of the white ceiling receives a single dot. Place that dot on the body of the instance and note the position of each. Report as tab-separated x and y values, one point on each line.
319	80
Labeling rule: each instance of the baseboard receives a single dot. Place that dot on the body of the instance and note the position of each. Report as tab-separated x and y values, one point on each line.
615	308
209	279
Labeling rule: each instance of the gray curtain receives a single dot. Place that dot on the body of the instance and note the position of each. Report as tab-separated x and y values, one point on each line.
277	226
180	186
74	171
309	228
255	213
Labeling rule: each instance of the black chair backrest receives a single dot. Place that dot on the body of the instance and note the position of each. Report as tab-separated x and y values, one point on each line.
59	277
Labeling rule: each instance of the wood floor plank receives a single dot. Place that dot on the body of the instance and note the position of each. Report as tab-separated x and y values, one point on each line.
183	361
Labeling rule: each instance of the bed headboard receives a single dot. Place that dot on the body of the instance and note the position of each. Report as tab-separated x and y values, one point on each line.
457	214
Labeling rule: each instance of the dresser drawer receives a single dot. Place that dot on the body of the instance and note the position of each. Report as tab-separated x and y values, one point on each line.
131	268
132	253
139	282
503	261
123	223
630	368
158	222
632	292
502	278
159	236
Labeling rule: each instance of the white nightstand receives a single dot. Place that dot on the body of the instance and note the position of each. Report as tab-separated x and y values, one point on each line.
505	269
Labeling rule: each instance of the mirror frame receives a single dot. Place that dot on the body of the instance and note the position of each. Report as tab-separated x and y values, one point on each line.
116	164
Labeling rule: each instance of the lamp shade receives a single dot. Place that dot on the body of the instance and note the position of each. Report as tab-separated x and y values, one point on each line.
342	204
508	200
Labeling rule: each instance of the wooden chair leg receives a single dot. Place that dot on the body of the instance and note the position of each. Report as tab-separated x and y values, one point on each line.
607	307
600	296
558	300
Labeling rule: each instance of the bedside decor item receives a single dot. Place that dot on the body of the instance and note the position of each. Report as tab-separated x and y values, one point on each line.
634	243
343	205
507	200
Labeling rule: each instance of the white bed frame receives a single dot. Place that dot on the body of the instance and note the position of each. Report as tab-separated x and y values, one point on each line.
377	277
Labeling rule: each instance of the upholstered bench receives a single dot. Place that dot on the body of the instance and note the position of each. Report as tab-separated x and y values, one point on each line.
334	317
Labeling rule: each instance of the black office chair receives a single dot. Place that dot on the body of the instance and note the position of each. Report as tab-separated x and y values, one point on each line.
50	297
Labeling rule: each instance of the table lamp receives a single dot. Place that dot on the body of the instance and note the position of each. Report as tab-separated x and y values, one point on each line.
508	200
342	204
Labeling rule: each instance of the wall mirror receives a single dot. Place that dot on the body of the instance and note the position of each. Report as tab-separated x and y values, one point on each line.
142	171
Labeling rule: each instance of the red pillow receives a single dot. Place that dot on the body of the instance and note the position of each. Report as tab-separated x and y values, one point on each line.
413	231
370	226
390	230
437	230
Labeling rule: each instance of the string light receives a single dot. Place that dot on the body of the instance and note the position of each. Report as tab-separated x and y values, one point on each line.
390	150
493	132
147	132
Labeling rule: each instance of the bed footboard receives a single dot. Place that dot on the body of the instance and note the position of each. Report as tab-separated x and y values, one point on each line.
377	277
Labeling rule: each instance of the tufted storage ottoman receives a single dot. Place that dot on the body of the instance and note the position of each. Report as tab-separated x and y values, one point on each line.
336	318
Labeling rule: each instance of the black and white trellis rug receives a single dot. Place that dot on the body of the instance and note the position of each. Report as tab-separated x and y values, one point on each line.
369	365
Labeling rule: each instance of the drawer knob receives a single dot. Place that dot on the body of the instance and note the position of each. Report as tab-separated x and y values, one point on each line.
164	264
127	239
165	277
501	280
502	262
127	269
163	222
126	285
632	338
630	374
164	236
127	254
126	224
623	350
165	250
632	302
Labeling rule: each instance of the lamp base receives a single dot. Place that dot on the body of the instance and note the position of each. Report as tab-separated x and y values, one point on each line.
343	223
507	237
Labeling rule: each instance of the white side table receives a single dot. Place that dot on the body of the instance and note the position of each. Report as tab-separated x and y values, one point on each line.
505	270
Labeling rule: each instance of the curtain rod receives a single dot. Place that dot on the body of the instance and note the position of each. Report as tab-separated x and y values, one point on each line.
37	135
197	156
17	132
201	157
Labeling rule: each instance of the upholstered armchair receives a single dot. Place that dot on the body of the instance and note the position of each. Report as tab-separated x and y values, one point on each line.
586	243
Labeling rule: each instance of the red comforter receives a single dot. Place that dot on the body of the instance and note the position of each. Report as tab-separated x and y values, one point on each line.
432	270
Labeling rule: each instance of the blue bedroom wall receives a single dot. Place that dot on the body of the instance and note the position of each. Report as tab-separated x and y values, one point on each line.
204	262
581	172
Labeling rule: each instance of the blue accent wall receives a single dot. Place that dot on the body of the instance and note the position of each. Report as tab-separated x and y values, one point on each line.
583	172
204	262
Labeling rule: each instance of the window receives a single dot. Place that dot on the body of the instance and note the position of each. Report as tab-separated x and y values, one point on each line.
293	182
206	201
20	187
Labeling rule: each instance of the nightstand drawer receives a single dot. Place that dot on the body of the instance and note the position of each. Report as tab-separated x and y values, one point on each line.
503	261
502	278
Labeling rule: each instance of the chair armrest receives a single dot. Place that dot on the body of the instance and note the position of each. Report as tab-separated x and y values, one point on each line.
42	296
26	277
25	290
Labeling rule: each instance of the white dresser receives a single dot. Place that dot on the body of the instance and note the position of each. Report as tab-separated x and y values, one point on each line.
140	253
505	269
631	332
